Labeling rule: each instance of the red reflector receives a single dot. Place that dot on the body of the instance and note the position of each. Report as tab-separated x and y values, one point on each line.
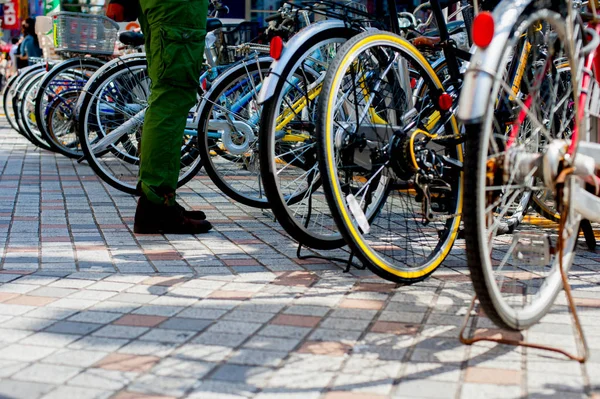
413	83
204	85
276	47
445	101
483	29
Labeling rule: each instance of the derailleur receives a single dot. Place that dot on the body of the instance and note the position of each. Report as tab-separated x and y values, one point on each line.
435	196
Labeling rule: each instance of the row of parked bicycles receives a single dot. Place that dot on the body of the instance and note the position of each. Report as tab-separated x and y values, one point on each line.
385	134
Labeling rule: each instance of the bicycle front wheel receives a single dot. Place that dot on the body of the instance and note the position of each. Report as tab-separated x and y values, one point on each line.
517	277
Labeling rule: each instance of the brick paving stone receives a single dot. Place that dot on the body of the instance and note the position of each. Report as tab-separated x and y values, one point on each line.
47	373
180	323
489	391
137	395
127	332
222	390
91	316
72	327
26	353
330	348
296	320
99	343
429	390
496	376
158	310
30	300
185	368
10	367
167	386
234	314
74	358
103	379
24	323
272	343
209	353
125	362
21	389
255	357
220	338
77	392
165	335
139	320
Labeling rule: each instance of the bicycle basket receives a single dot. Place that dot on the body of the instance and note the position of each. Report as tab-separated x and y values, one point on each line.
84	33
353	12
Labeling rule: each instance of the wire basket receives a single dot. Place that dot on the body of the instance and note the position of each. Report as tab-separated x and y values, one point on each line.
84	33
352	12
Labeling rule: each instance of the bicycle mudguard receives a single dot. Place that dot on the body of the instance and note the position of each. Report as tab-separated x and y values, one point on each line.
110	64
479	77
289	50
225	76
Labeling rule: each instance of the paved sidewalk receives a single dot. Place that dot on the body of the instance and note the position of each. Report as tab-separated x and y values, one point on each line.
90	310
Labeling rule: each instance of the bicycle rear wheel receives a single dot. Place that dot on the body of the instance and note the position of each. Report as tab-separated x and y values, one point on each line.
288	153
390	159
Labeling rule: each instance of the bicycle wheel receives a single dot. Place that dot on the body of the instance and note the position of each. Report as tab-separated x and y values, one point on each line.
27	109
390	158
63	83
517	277
288	155
228	132
18	103
7	101
11	89
117	100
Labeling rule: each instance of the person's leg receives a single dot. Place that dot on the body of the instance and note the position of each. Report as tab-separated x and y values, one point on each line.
175	32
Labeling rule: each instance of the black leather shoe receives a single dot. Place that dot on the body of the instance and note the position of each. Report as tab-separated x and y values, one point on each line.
151	218
196	215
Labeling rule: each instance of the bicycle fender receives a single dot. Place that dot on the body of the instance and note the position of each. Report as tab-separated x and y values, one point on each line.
110	64
289	51
479	77
225	77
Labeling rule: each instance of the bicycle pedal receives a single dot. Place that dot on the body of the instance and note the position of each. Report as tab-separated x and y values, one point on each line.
532	249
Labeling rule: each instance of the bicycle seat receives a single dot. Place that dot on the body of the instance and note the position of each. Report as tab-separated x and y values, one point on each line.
425	41
213	24
131	38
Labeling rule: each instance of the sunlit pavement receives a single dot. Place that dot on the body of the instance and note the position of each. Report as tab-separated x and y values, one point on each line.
90	310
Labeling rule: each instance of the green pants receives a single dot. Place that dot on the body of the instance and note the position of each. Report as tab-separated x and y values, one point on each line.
174	31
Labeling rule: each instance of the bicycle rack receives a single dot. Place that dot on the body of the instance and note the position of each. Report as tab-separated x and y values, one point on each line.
582	348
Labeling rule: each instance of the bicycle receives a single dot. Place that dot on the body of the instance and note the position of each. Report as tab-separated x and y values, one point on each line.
390	151
541	152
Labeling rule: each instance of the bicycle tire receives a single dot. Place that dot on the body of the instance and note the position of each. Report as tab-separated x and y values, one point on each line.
279	201
17	103
47	93
95	160
377	259
476	215
245	193
6	99
13	91
27	103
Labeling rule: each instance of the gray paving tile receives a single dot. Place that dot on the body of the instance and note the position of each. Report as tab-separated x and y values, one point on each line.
72	327
22	389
